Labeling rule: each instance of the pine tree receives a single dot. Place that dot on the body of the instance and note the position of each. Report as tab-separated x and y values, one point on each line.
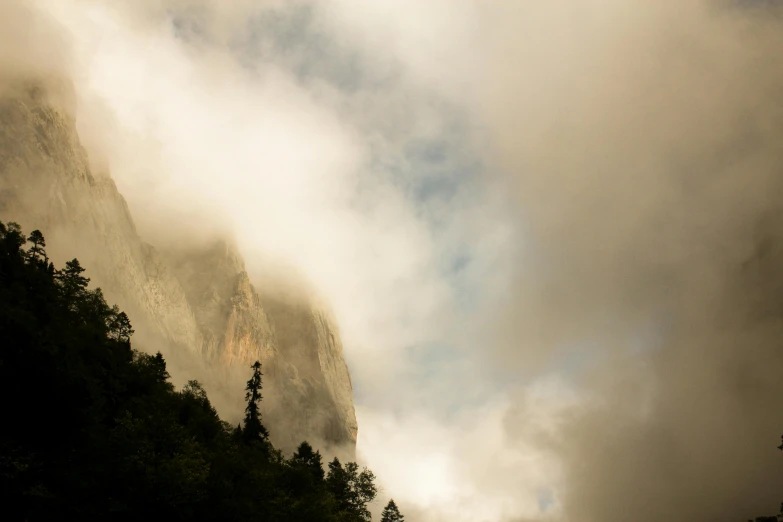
337	482
159	365
391	513
120	327
305	458
37	251
71	280
254	430
128	446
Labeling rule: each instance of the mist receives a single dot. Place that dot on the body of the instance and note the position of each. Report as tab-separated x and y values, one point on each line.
647	174
550	232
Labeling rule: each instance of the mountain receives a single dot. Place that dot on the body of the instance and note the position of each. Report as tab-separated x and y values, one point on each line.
195	304
298	342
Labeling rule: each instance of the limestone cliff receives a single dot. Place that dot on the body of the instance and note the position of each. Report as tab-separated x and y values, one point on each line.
46	183
196	305
296	342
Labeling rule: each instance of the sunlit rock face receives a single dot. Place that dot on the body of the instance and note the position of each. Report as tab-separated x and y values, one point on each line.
196	305
296	341
46	183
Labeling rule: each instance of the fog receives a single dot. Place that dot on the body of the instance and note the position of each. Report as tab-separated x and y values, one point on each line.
550	232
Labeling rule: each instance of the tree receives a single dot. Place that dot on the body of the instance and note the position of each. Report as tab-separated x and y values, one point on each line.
351	489
159	365
194	389
254	430
37	251
129	446
71	280
120	327
391	513
13	236
305	458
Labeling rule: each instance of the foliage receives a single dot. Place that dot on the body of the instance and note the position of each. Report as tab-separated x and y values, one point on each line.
391	513
254	431
352	489
94	430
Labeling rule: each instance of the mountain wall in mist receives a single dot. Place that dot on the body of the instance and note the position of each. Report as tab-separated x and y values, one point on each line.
196	304
297	342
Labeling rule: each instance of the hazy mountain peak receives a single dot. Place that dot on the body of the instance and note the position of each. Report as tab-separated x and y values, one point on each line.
192	300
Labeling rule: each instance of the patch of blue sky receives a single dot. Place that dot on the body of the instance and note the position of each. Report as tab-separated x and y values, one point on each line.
467	290
460	261
576	358
432	171
292	37
187	28
441	168
438	175
429	169
449	380
546	499
288	36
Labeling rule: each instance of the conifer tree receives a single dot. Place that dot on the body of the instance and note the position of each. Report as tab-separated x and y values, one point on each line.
306	458
130	447
73	283
391	513
337	483
37	251
120	327
159	364
254	430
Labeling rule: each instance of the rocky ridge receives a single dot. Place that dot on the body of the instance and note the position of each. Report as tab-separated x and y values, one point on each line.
196	305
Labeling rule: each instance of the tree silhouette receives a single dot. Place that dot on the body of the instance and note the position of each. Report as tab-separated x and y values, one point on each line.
351	489
120	327
37	251
391	513
254	430
158	364
305	458
71	279
13	237
128	445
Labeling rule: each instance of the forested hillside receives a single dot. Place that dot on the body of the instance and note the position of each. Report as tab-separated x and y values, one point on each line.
94	430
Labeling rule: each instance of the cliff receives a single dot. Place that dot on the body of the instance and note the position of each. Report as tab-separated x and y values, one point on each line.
296	341
196	305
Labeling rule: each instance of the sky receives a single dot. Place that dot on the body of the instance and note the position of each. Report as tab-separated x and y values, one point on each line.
528	218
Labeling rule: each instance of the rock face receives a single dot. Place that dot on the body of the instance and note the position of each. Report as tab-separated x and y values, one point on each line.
196	305
297	343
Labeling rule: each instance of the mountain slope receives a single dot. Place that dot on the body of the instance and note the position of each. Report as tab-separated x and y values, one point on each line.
195	305
296	341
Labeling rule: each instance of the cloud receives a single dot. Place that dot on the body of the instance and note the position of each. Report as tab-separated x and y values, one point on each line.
639	144
549	231
640	141
467	467
368	190
31	40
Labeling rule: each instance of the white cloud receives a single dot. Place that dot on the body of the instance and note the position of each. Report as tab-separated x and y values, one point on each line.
318	149
320	179
466	466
